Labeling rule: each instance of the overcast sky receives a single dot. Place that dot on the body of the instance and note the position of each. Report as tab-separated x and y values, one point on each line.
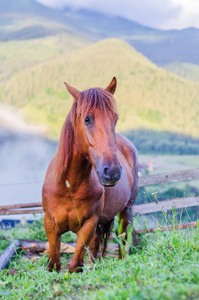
163	14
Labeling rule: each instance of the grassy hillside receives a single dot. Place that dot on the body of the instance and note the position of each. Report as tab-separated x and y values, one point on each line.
16	56
147	96
184	70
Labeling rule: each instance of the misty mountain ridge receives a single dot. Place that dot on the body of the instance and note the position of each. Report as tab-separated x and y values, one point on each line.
30	19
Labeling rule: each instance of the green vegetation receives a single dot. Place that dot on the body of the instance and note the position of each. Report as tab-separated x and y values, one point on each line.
184	70
163	142
147	96
164	265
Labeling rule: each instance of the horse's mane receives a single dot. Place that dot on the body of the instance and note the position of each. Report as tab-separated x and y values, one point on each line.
88	101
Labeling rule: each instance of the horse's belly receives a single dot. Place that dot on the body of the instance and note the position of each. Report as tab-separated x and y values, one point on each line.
116	198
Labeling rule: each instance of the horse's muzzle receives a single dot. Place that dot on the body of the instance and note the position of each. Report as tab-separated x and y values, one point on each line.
110	176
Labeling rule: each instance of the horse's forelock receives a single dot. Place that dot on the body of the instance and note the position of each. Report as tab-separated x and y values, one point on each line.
96	98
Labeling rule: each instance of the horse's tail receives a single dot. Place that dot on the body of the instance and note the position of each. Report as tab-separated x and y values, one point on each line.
104	231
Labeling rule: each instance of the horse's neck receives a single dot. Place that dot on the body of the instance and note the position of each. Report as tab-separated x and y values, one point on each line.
78	171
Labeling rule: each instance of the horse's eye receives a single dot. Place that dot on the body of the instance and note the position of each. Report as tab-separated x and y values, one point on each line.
87	121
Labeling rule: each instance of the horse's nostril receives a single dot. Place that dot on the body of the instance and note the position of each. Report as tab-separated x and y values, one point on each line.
107	174
105	171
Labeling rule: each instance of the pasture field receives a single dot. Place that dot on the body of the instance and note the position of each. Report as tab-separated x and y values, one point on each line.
164	265
170	163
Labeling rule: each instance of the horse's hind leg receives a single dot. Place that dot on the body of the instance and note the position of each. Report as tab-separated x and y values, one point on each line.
125	218
105	235
101	236
54	243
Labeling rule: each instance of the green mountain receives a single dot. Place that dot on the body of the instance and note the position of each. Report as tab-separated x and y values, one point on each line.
147	96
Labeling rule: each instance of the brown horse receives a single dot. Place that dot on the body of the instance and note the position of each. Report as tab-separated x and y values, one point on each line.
101	168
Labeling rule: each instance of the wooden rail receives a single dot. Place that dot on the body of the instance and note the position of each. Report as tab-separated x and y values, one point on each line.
137	209
21	212
17	209
169	177
165	205
16	206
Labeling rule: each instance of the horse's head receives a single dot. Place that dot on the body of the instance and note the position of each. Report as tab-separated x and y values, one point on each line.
94	129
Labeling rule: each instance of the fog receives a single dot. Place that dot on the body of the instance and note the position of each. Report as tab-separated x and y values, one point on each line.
23	162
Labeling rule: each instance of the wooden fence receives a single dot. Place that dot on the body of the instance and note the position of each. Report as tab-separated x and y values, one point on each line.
33	208
167	204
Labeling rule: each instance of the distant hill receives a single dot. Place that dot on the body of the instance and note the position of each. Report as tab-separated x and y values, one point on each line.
28	19
148	96
184	70
160	46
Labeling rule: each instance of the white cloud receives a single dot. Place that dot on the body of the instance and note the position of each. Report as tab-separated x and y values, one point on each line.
189	16
165	14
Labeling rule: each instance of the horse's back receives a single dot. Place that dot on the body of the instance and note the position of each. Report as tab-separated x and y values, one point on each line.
128	150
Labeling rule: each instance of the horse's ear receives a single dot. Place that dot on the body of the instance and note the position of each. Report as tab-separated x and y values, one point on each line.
74	92
112	86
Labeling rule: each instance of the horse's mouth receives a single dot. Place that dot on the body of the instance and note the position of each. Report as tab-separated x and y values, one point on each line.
109	183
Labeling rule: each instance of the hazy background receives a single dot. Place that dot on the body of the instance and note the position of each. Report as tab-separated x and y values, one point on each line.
173	14
152	49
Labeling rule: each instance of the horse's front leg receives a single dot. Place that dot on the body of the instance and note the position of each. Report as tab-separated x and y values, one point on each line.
84	236
54	240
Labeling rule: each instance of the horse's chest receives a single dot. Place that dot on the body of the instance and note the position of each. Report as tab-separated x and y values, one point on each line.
71	213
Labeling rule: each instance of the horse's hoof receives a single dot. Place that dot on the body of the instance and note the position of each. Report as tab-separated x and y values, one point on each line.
56	267
74	267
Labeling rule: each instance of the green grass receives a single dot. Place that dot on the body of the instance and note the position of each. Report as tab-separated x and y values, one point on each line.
164	266
163	142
